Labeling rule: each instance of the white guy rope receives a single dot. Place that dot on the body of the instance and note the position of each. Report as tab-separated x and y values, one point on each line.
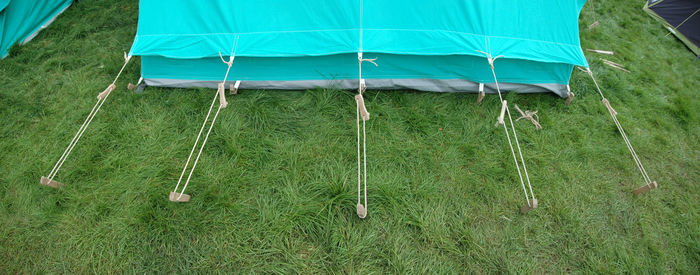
364	161
613	114
361	155
80	130
101	98
195	143
515	135
196	160
359	168
223	103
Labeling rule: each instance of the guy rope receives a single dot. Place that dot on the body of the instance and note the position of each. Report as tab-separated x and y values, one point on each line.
101	98
649	184
176	196
531	202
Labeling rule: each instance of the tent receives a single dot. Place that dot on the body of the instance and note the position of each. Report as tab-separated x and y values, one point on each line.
21	20
680	17
480	46
305	44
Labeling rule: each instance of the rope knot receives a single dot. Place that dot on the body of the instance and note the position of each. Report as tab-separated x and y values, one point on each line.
491	62
230	59
529	115
588	70
610	108
489	58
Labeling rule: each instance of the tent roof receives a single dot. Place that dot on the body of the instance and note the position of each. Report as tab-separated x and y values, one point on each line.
536	30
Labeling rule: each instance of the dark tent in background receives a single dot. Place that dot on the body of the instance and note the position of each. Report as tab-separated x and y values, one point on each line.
680	17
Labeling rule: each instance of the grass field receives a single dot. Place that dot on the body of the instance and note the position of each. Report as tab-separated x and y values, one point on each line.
275	188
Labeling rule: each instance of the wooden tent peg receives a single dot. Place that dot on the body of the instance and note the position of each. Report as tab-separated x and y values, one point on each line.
132	87
481	93
526	208
595	24
361	211
51	183
176	197
233	88
646	188
363	86
570	98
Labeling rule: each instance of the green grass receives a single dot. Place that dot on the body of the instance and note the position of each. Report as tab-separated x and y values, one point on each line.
275	188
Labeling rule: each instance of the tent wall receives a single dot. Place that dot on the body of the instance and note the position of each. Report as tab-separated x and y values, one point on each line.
307	43
452	73
20	20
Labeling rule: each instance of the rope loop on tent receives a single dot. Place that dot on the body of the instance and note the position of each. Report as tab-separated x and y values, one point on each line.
230	59
649	184
370	60
529	115
531	203
489	58
101	98
360	59
181	196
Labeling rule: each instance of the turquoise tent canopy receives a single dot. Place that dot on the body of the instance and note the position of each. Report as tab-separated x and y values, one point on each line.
289	44
21	20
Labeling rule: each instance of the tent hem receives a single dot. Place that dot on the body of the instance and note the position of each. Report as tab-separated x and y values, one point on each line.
421	84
